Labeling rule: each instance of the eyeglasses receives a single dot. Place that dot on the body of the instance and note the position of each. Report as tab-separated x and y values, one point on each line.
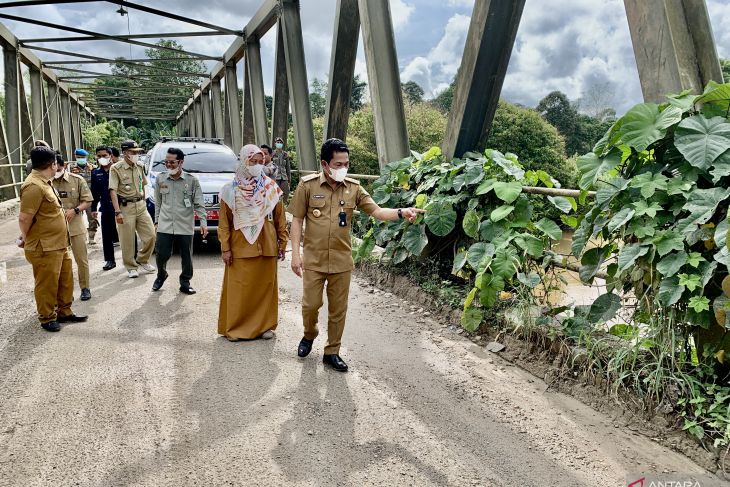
172	163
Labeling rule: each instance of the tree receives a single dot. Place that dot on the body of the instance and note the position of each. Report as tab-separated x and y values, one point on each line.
597	98
318	98
445	99
357	99
412	91
725	65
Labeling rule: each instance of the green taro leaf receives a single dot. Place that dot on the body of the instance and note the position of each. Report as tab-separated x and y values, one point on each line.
670	291
714	92
440	218
479	255
671	264
505	263
485	187
590	263
571	221
628	255
684	101
644	124
702	140
610	189
530	280
523	212
702	203
604	308
415	239
470	224
620	218
649	183
491	284
530	244
421	201
561	203
625	331
721	233
721	167
459	261
501	213
591	167
667	241
470	298
508	166
699	303
549	228
471	319
507	192
400	255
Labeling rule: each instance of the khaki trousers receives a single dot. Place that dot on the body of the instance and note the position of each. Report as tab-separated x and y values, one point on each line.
54	283
338	292
136	220
81	256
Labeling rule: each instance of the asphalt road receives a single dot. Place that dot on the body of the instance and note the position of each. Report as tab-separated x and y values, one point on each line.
146	393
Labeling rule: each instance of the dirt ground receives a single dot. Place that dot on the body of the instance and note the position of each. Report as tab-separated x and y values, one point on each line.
146	393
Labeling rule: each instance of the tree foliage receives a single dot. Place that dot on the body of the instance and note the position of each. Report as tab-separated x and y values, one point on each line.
413	92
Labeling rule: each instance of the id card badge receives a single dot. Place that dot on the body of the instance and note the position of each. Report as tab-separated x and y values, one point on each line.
187	203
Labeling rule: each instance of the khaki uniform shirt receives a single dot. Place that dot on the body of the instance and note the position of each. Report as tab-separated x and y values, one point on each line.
128	181
49	230
177	202
83	171
327	245
72	189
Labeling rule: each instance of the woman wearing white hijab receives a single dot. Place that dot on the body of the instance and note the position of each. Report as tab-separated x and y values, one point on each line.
252	232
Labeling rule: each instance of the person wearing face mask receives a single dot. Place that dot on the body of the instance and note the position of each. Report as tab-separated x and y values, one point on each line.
45	240
179	199
252	233
84	168
126	189
76	198
103	203
327	201
282	167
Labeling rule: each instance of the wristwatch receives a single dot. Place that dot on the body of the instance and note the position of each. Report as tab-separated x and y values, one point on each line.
117	213
76	210
400	213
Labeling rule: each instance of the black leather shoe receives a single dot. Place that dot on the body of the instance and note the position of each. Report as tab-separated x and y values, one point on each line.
305	346
187	290
51	326
158	283
72	319
335	362
85	294
109	264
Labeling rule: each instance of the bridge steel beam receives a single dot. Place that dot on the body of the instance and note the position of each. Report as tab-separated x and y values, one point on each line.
673	46
217	107
207	114
233	132
391	134
76	123
36	102
280	108
54	114
66	141
296	69
249	135
489	43
256	92
26	124
13	132
342	69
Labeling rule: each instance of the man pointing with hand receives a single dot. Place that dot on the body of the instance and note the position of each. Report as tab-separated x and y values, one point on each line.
327	201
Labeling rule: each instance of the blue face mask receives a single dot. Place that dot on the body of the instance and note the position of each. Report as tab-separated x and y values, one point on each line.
81	162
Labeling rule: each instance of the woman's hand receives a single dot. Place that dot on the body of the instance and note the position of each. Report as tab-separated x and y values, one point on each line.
227	257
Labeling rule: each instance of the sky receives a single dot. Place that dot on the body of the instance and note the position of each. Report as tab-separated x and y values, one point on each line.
580	47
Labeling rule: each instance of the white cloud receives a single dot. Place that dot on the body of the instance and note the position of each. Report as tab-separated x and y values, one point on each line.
400	13
461	3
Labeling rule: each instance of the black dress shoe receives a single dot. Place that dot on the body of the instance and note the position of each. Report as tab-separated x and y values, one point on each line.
109	265
72	319
305	346
158	283
335	362
51	326
85	294
187	290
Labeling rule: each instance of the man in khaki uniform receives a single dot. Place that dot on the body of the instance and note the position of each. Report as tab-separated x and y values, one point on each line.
327	201
126	188
84	168
76	198
44	237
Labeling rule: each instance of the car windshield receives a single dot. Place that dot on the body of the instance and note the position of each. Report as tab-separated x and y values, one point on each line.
202	160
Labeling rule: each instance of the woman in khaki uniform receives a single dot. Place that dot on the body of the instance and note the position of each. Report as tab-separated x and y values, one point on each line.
44	237
252	232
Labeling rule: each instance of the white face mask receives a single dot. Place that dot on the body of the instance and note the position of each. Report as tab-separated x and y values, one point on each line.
338	175
58	174
255	170
104	161
174	172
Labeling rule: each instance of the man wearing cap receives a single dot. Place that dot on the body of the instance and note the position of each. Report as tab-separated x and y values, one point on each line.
282	167
76	198
83	168
327	201
103	203
44	238
126	189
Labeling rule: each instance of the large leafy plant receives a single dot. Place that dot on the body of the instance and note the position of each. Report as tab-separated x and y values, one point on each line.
478	221
659	223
